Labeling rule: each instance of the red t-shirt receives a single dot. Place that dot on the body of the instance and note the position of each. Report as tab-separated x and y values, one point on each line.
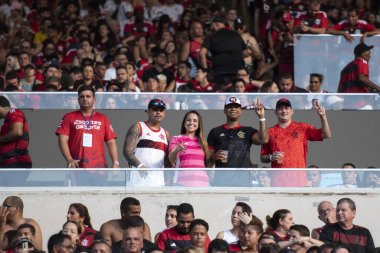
74	126
349	82
16	150
318	21
197	86
145	29
291	140
360	27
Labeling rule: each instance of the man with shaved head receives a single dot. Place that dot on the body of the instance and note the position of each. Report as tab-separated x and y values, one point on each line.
11	217
326	213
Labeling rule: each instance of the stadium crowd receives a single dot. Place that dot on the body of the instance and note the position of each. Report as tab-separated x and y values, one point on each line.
185	233
170	46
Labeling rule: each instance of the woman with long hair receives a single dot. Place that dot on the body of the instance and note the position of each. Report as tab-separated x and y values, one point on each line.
73	229
79	213
250	235
190	150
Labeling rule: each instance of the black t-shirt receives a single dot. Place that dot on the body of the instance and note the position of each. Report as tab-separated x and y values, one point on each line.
226	47
238	143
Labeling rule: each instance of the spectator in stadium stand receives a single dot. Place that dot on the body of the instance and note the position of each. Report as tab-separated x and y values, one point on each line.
121	59
230	144
158	67
60	243
254	52
173	9
53	68
350	178
345	232
138	223
101	246
146	146
11	78
371	179
12	63
170	219
112	231
250	85
315	83
79	213
266	239
100	71
263	12
191	150
287	85
27	231
162	83
353	25
52	81
86	50
201	82
270	87
327	214
284	45
132	241
264	178
88	78
239	85
23	245
228	50
279	225
182	77
313	176
354	78
314	21
133	77
29	81
192	47
152	84
124	80
73	229
80	138
14	142
104	39
250	234
11	217
199	234
241	215
139	26
178	237
300	239
218	246
287	146
41	34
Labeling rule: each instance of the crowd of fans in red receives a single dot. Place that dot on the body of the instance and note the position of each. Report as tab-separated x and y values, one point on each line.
156	46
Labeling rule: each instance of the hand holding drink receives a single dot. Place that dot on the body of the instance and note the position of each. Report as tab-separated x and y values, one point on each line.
278	156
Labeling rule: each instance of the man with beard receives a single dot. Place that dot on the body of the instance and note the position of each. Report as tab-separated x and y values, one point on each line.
230	144
146	146
178	237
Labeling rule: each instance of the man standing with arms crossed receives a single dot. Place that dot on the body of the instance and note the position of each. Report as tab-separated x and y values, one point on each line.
230	144
146	146
80	138
287	146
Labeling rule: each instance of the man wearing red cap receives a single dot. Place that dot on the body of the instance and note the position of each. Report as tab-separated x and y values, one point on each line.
287	146
354	78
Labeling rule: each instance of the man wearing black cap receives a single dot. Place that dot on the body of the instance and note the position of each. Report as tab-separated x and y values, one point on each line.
354	78
287	146
227	49
230	144
146	146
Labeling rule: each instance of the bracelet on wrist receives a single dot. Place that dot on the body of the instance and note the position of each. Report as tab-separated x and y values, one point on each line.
262	119
140	165
116	162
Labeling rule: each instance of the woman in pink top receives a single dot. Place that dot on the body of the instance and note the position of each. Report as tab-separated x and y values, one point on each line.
190	150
